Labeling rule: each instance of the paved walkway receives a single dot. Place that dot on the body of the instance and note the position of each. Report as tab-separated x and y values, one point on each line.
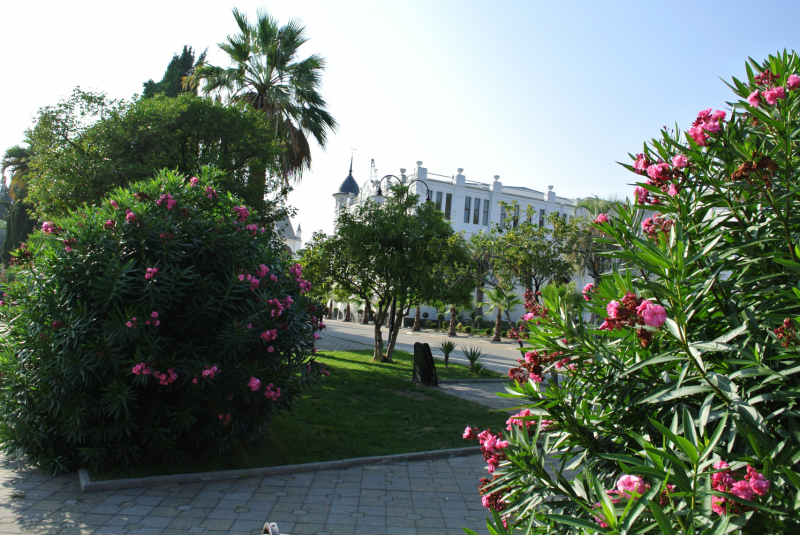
341	336
410	498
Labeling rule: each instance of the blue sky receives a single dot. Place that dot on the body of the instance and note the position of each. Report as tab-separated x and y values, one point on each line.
540	93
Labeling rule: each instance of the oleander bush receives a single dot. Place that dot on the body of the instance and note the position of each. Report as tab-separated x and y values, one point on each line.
678	413
164	321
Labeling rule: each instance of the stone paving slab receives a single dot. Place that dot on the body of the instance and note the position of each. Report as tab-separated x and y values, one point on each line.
416	498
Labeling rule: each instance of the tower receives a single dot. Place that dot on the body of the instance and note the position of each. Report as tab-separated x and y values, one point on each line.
348	187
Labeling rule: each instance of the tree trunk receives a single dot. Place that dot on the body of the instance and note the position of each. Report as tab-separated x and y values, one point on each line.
398	321
479	309
452	331
347	313
330	310
417	321
367	311
497	326
380	316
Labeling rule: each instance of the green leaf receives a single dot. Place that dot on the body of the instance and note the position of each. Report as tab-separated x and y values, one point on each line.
577	522
661	519
676	393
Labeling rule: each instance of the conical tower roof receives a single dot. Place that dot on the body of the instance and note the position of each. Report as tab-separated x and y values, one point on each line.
349	185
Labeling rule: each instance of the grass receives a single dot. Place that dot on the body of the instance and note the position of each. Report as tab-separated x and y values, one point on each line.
362	409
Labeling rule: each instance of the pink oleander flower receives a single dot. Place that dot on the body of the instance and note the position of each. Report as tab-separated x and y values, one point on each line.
642	195
718	505
193	181
711	127
640	165
254	384
535	378
528	316
241	276
772	95
680	161
269	335
758	483
114	204
792	82
326	373
657	171
469	434
654	315
628	484
249	326
48	227
211	193
130	217
754	99
242	212
698	135
68	249
589	288
110	224
612	309
673	190
742	490
270	349
151	273
601	218
262	271
316	336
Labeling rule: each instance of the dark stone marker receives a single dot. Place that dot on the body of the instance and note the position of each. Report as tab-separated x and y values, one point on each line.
424	369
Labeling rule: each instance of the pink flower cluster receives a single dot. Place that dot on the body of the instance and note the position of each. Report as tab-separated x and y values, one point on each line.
656	226
209	371
163	378
661	175
279	305
193	181
49	228
706	123
131	324
168	199
141	369
773	93
211	193
491	446
632	311
270	394
601	218
297	272
155	321
110	224
151	273
242	212
130	217
68	243
254	384
270	335
752	483
114	204
226	419
530	424
588	289
262	271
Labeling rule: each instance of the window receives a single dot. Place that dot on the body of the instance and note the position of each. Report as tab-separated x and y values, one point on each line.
486	212
439	200
516	216
467	205
476	217
541	218
502	214
448	204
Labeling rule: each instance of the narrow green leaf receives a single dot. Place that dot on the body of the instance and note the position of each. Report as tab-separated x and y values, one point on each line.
577	522
661	518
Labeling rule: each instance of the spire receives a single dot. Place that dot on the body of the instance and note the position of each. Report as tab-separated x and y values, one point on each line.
351	163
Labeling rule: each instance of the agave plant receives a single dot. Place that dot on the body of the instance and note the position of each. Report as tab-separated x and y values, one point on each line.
474	356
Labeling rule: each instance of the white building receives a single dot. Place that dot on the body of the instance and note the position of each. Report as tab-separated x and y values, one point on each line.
470	206
292	239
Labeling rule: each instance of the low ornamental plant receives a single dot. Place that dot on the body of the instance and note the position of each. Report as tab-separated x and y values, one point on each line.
677	411
164	321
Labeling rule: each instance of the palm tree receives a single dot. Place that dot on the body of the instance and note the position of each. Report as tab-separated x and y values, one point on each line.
267	75
496	300
16	159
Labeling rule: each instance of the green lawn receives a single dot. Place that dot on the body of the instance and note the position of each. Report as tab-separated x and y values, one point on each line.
362	409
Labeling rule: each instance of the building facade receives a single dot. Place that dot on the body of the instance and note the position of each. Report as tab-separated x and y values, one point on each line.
470	206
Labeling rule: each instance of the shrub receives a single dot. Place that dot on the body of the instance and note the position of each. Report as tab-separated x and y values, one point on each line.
488	331
478	320
504	334
440	317
425	315
467	329
474	356
164	321
429	323
689	384
447	347
460	327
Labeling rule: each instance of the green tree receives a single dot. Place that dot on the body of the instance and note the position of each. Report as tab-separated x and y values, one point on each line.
384	250
19	223
531	254
588	246
87	145
267	74
496	299
171	84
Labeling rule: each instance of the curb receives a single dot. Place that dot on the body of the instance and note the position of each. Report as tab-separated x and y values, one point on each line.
456	381
87	485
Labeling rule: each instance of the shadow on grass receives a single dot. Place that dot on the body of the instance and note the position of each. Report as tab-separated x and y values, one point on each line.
363	409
